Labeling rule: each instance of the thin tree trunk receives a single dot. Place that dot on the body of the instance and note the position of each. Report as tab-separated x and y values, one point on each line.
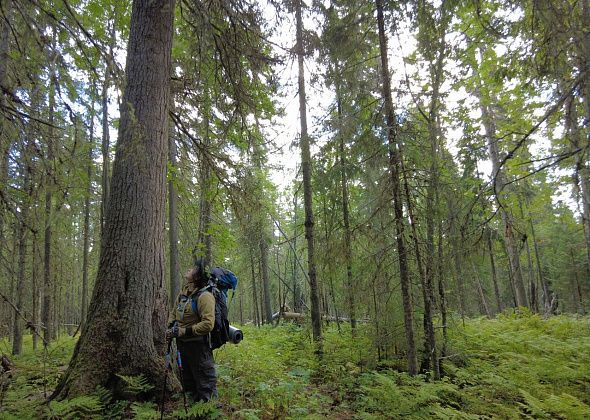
430	358
499	305
254	292
346	217
457	251
533	304
443	300
500	183
432	196
482	295
316	319
549	299
263	245
18	322
86	233
36	290
173	215
125	328
48	302
574	283
105	148
581	173
204	244
4	135
296	290
394	167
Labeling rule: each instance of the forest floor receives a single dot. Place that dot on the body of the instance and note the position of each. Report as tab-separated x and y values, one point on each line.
514	366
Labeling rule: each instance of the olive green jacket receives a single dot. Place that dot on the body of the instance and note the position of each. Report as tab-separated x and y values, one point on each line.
202	322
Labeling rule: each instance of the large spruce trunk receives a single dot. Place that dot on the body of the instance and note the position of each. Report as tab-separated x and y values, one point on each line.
124	332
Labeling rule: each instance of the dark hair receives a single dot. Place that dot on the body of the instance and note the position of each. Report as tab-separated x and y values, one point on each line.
201	274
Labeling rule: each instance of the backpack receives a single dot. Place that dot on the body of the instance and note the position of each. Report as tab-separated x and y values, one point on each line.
220	281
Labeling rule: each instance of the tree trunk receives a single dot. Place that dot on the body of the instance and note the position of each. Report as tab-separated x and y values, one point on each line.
263	245
23	219
105	148
481	292
581	173
173	215
442	300
255	314
204	245
432	196
499	305
489	123
316	320
297	307
457	250
125	328
86	233
49	333
394	168
548	296
35	290
4	137
346	217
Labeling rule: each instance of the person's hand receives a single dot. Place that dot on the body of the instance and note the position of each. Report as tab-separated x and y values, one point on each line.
175	331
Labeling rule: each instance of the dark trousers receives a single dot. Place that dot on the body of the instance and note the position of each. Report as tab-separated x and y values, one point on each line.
198	376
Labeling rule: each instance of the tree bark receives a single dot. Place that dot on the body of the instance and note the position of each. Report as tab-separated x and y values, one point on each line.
430	358
263	245
457	249
394	168
346	215
125	329
481	292
35	290
86	232
297	300
499	305
49	333
256	314
173	215
18	322
316	320
105	147
204	244
4	137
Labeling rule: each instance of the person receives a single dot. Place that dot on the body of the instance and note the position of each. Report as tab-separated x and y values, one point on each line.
191	326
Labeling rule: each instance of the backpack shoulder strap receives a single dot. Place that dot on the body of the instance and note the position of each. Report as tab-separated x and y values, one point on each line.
194	297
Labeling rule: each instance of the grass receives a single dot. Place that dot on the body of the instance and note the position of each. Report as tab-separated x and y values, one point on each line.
514	366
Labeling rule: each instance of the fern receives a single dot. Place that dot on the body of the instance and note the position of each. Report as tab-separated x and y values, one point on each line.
135	385
145	411
197	411
86	406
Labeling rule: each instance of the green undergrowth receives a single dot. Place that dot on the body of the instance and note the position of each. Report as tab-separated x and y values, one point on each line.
515	366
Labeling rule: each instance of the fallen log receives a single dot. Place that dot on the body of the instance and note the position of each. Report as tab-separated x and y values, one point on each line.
296	316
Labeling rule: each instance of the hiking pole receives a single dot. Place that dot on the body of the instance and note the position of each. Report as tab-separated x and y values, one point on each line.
179	361
168	367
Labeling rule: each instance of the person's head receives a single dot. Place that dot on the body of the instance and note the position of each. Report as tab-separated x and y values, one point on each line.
197	275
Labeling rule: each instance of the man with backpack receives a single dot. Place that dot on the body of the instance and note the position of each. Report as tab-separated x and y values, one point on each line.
194	319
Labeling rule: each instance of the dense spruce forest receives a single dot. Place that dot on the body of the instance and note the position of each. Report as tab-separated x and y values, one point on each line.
402	189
